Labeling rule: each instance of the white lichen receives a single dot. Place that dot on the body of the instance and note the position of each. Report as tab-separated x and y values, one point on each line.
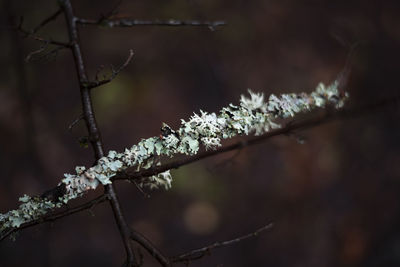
253	115
31	208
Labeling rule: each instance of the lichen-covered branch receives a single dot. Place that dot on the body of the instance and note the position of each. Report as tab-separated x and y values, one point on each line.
253	115
55	216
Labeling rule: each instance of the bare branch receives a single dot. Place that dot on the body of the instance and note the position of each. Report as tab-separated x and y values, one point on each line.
55	216
123	226
40	54
140	189
112	12
46	21
78	119
36	52
18	27
39	38
151	249
201	252
135	22
114	73
48	41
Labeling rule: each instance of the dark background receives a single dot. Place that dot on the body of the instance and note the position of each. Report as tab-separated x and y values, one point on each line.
334	200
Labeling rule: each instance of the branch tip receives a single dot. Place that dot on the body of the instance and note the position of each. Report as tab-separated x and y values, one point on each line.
204	251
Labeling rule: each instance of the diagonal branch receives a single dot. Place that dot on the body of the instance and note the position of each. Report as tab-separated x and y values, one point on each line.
112	12
47	20
31	34
322	118
201	252
363	110
114	73
40	54
44	40
111	23
151	249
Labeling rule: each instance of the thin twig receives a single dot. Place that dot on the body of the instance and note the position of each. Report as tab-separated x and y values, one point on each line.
123	226
78	119
112	12
35	52
40	55
46	21
114	73
48	41
52	54
135	22
55	216
141	190
39	38
151	249
201	252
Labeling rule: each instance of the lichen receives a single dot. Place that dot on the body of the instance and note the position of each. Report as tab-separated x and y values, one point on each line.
31	208
253	115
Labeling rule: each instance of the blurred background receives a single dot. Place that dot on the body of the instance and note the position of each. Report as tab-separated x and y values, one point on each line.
334	200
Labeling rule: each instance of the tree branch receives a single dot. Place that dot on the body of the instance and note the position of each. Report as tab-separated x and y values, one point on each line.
201	252
91	124
56	192
134	22
322	118
38	54
75	122
153	251
39	38
46	21
55	216
114	73
43	40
